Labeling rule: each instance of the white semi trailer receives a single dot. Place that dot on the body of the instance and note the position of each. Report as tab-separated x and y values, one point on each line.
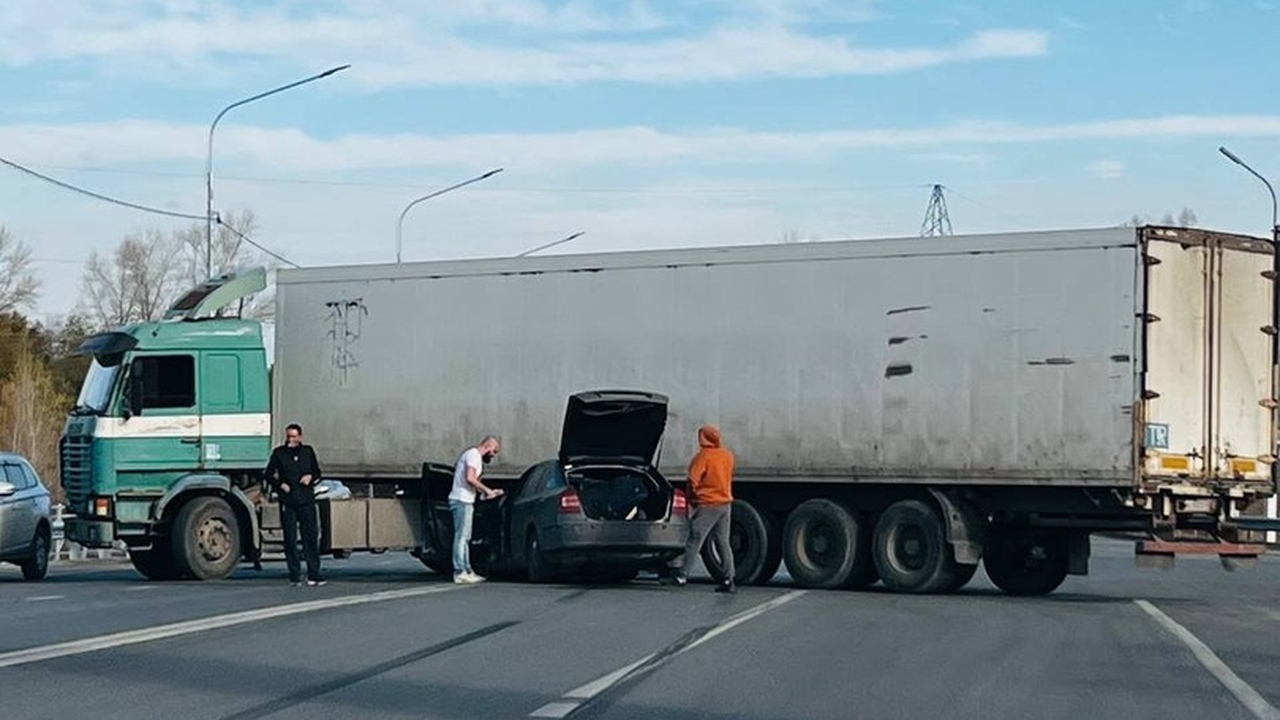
901	409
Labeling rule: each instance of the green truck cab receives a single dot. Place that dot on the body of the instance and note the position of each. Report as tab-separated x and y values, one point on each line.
165	448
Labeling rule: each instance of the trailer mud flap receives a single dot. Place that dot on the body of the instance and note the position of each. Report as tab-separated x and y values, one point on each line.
965	526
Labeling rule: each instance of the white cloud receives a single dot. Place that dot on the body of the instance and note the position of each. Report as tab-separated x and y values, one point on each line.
402	43
146	143
1107	169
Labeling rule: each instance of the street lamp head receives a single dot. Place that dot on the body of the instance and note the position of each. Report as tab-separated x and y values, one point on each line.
1230	155
491	173
332	71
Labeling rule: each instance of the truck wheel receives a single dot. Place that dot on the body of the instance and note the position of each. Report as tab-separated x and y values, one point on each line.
757	550
960	577
37	566
206	539
1026	562
822	544
155	564
537	568
911	550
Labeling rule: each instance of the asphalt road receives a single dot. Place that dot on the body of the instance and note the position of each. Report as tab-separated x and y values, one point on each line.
386	638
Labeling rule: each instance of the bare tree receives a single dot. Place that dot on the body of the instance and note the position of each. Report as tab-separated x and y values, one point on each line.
1185	219
19	285
137	282
229	250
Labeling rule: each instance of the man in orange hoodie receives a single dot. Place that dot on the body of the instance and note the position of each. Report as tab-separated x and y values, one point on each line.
711	481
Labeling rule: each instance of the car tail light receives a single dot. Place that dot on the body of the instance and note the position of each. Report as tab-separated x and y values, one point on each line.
680	503
570	503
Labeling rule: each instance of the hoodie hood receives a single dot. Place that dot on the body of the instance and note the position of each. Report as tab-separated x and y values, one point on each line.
709	436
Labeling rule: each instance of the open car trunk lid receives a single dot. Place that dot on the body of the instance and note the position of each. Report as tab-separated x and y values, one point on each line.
615	426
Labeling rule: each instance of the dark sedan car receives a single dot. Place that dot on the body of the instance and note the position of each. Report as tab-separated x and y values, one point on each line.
600	510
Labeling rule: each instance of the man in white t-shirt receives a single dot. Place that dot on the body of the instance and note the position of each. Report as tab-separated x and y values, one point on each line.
462	501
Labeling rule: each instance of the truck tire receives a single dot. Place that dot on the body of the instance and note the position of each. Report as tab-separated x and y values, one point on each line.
912	554
206	539
757	549
155	564
822	544
960	577
1025	562
37	566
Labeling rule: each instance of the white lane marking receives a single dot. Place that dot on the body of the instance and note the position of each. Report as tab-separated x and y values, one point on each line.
140	588
1242	691
555	710
579	695
42	598
161	632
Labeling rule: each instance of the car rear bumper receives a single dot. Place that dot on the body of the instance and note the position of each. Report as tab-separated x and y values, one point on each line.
590	540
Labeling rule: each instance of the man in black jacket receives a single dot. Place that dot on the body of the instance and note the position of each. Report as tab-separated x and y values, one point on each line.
294	471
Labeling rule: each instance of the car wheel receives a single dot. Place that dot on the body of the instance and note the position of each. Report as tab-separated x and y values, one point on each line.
538	569
206	539
37	566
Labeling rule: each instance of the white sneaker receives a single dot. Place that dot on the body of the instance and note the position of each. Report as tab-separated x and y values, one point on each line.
462	579
477	578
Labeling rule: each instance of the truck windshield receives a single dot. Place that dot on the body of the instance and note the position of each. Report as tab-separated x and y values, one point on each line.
95	394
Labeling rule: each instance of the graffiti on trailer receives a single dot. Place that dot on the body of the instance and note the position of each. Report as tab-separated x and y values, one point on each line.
346	319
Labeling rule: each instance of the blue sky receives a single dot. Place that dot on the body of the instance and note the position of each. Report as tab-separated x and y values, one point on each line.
644	124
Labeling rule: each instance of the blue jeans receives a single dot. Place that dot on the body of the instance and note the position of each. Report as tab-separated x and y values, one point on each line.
462	515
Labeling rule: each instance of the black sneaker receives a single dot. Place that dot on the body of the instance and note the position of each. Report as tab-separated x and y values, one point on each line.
673	579
727	587
317	583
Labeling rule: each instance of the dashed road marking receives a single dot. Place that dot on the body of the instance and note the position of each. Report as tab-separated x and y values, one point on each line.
42	598
579	696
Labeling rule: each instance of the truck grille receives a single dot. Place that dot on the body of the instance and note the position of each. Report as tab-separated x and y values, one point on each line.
75	456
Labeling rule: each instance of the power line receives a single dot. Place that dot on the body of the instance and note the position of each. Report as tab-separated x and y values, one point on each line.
937	221
503	189
97	196
144	208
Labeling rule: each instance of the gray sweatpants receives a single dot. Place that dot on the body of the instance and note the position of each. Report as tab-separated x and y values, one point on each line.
710	520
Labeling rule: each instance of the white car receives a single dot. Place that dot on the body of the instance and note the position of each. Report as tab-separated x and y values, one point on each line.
25	523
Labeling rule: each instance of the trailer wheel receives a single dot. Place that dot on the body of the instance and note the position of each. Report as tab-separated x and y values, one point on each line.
1026	562
757	549
960	577
206	539
911	550
822	544
155	564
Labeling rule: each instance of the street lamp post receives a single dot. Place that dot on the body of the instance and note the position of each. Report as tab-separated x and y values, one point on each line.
1275	275
208	165
561	241
428	196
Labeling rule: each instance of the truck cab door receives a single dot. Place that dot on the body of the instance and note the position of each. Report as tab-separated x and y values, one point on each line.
158	428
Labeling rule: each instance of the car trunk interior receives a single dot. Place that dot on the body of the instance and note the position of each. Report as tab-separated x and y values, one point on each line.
617	493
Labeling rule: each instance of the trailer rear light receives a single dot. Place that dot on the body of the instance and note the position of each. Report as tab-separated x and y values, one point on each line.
570	503
680	503
102	507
